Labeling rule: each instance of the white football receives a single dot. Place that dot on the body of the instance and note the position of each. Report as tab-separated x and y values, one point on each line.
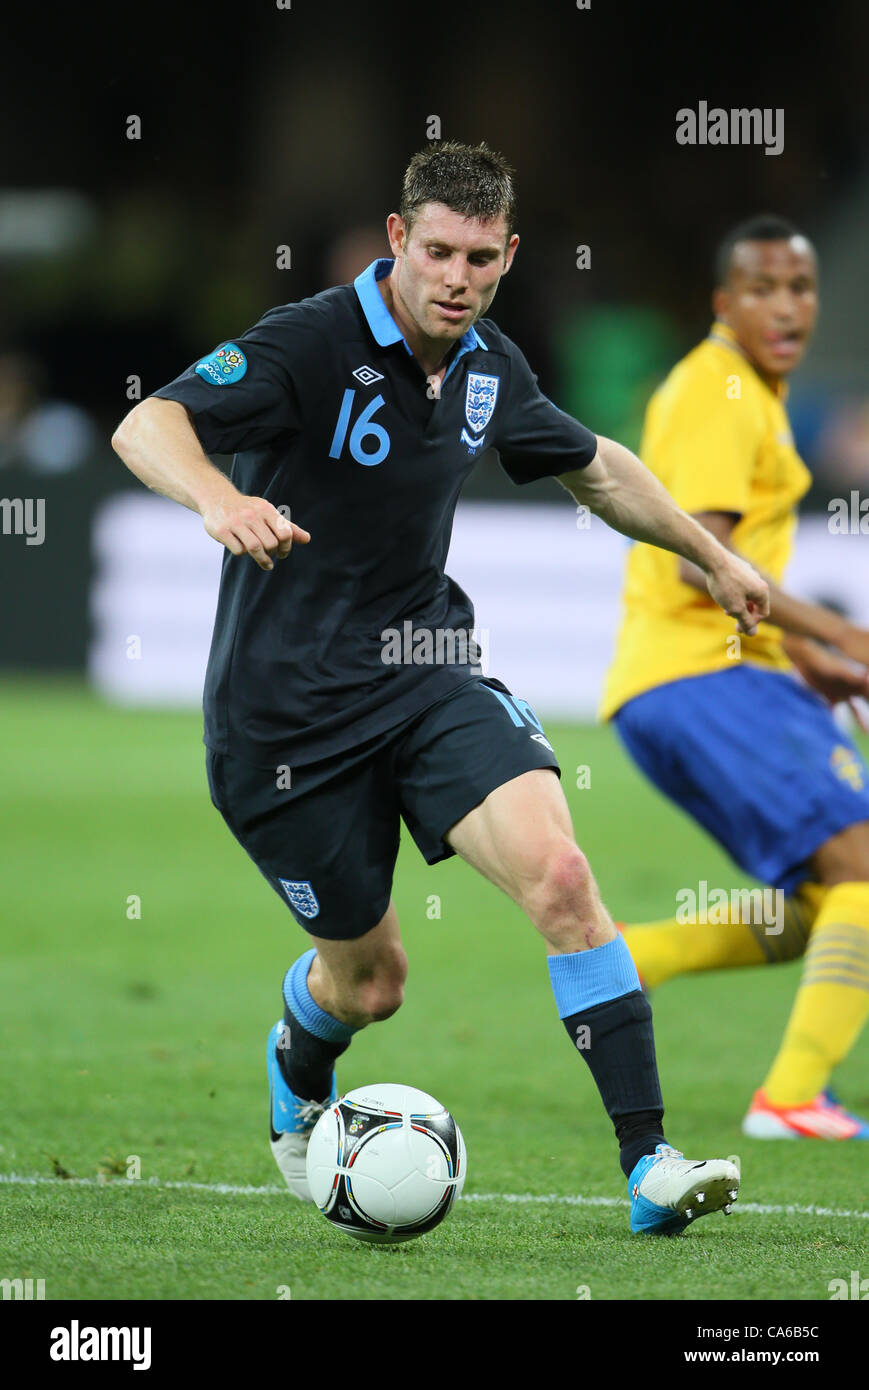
386	1163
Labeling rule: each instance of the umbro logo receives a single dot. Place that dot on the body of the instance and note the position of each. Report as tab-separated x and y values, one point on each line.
366	375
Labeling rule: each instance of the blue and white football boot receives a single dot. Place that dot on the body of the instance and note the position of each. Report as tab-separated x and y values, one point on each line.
668	1191
291	1120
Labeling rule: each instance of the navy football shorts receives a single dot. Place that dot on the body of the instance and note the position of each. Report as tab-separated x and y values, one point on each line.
328	843
756	758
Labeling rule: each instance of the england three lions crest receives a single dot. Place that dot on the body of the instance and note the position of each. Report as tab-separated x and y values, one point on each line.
480	400
301	895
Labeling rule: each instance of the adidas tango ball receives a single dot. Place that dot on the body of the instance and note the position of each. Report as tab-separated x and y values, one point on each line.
386	1163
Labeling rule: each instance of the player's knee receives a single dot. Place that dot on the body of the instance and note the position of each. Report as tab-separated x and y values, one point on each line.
563	888
846	868
845	857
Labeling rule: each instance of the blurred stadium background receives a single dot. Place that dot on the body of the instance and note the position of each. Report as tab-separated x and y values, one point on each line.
123	259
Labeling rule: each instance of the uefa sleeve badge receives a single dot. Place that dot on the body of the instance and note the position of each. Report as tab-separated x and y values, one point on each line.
224	366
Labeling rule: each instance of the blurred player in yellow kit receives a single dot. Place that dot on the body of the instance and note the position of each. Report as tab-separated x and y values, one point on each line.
720	722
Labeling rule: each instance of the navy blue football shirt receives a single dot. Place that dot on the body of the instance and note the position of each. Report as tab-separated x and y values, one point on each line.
328	413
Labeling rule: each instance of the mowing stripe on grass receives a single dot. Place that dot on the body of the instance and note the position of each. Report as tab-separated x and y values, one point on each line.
524	1198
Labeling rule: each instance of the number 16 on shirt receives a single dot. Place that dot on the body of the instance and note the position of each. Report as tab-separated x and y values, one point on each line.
362	430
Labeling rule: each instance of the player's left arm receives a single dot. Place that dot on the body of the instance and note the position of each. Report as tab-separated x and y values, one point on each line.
806	627
619	489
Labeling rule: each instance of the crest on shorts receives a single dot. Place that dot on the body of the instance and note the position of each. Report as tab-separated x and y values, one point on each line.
301	895
847	766
223	366
480	397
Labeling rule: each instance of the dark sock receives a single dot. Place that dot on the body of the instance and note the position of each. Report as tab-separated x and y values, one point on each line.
307	1061
638	1134
617	1042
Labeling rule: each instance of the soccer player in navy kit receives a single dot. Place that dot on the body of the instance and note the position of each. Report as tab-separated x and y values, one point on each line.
363	409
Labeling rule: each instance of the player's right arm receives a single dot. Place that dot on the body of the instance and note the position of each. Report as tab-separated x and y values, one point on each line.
159	445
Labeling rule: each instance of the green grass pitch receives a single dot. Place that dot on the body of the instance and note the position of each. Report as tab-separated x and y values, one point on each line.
145	1037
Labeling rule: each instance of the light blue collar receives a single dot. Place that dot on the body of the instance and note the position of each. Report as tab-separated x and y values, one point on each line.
381	322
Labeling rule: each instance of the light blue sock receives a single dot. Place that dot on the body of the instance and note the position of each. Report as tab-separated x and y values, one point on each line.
582	979
304	1007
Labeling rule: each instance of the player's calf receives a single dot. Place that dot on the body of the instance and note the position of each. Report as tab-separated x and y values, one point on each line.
521	838
367	994
300	1060
291	1117
329	993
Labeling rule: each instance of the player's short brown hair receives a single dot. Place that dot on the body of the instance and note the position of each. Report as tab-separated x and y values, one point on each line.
469	179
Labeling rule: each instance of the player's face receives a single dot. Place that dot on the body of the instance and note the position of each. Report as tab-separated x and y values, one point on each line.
447	268
771	301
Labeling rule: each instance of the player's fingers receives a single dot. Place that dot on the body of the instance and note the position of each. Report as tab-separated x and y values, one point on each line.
287	532
268	537
854	683
231	541
283	523
858	714
253	544
297	534
758	601
754	608
746	621
274	533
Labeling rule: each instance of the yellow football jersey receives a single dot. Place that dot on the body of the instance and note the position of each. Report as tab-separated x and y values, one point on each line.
718	438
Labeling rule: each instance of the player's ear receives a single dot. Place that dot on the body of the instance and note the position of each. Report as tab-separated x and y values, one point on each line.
510	253
720	303
396	232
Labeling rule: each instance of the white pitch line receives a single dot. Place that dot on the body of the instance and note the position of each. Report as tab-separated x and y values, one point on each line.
522	1198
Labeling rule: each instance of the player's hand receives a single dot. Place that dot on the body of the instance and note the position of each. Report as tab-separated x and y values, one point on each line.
854	643
253	526
826	672
739	590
